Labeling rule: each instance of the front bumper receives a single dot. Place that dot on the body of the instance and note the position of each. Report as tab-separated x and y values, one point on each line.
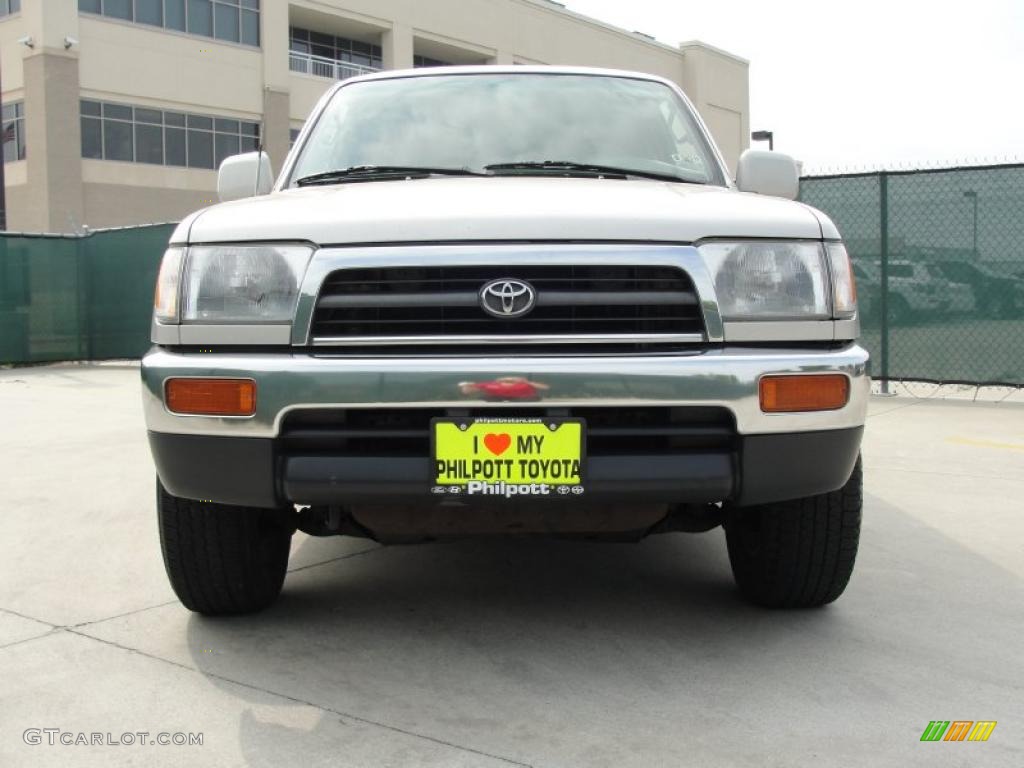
240	460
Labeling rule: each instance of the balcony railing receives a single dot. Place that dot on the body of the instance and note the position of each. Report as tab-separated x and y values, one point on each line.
320	66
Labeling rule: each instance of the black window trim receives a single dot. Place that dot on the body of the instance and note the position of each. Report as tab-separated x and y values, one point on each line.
9	8
247	135
304	35
18	121
237	5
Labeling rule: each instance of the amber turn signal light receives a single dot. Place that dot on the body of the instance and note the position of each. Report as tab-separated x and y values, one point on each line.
211	397
788	394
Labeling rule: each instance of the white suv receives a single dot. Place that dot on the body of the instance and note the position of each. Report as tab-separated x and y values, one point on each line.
506	300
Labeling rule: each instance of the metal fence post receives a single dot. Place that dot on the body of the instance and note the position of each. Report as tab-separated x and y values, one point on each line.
83	298
883	196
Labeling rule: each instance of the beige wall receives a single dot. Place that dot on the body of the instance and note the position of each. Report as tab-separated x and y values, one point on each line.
12	28
129	62
53	161
119	205
118	194
305	91
18	210
117	61
718	85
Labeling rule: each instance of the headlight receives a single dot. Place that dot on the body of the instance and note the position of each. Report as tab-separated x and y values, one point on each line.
242	283
769	280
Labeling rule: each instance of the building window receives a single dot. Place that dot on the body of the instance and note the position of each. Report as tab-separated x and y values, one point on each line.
8	7
293	135
426	61
316	53
13	122
158	137
235	21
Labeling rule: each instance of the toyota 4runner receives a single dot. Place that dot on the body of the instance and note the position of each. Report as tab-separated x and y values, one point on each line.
506	300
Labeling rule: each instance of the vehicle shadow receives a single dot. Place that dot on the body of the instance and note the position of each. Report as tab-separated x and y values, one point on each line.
573	653
417	626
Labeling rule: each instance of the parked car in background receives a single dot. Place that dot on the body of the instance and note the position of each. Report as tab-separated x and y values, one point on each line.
960	296
914	292
869	290
995	295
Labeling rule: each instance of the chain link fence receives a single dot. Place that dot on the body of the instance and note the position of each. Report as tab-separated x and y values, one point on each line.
78	297
939	260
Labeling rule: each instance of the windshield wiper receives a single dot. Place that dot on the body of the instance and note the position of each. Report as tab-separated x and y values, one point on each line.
572	167
389	172
377	172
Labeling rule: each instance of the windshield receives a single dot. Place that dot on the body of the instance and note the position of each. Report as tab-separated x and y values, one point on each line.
473	121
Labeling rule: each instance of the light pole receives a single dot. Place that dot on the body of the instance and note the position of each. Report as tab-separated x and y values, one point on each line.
768	136
972	195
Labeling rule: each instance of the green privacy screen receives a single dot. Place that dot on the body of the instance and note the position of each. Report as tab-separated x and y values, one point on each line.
938	254
78	298
939	261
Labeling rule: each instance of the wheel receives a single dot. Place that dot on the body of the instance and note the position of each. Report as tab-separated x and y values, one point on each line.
799	553
222	559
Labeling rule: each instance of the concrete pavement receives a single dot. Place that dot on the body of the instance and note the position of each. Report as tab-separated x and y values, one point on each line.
510	652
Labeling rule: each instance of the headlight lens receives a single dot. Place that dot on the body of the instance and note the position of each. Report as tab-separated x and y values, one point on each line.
165	302
769	280
243	283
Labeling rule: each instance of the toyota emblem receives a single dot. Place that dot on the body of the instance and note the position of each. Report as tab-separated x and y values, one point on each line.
507	298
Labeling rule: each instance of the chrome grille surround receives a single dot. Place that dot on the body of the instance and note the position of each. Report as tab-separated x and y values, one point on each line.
622	296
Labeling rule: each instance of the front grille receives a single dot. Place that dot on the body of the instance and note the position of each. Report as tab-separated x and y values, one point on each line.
620	431
631	305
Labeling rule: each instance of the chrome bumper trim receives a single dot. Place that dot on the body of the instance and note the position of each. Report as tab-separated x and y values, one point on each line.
717	377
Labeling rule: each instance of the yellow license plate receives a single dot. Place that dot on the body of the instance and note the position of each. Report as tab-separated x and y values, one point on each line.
508	457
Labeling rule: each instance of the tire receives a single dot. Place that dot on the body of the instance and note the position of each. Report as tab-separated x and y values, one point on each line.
222	559
799	553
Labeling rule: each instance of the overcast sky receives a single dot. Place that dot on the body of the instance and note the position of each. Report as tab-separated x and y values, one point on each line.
870	83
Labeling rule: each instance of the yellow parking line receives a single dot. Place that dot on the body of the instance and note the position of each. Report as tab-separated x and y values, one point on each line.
986	444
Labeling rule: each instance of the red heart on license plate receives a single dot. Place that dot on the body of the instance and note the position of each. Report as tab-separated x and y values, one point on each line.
497	444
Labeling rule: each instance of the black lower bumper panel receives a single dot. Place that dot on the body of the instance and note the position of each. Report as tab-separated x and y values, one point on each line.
253	472
228	470
326	480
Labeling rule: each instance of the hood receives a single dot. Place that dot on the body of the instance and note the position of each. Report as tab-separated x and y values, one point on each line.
502	208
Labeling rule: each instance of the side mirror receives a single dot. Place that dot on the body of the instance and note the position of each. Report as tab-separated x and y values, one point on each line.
245	175
768	173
